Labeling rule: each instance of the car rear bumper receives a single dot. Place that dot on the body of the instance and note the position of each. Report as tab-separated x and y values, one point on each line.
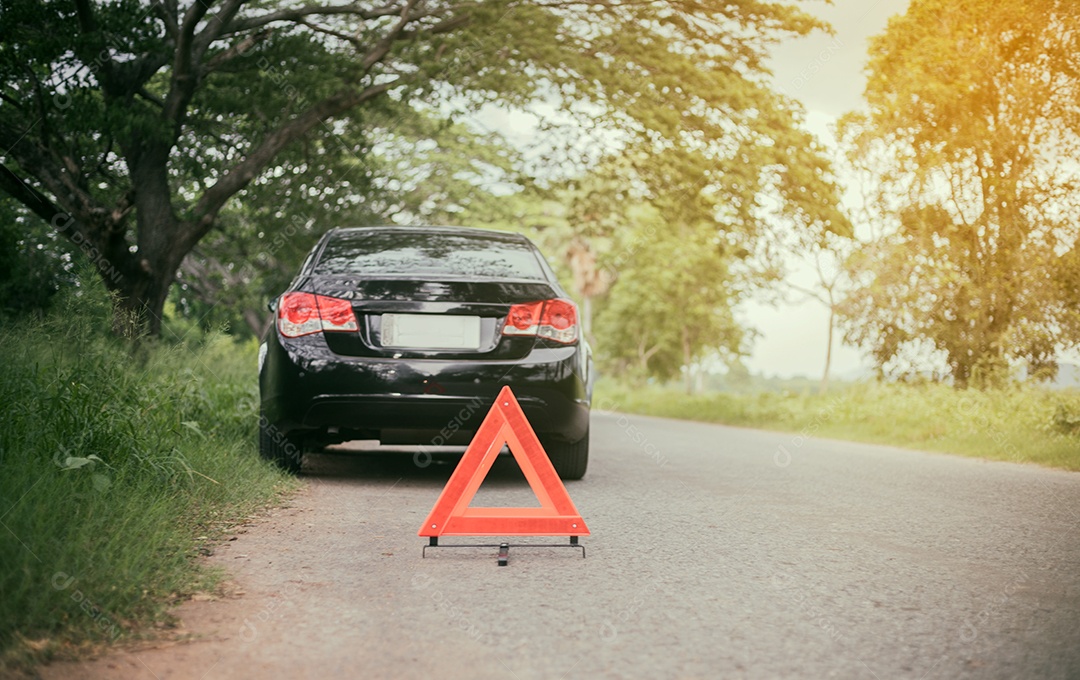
305	387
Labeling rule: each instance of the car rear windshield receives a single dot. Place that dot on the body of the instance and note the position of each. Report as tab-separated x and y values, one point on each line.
428	255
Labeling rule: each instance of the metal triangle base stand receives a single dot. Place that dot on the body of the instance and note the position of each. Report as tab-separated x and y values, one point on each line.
504	548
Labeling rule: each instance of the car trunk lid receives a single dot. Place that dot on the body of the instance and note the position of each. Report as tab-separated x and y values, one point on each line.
427	318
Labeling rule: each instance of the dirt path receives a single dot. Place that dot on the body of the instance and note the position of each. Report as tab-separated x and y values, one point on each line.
211	627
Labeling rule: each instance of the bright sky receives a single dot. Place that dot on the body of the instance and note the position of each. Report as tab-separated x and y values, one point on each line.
826	74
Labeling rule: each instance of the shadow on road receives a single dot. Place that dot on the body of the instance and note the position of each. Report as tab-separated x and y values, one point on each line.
400	463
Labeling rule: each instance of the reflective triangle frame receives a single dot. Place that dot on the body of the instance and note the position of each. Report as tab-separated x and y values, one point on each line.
506	424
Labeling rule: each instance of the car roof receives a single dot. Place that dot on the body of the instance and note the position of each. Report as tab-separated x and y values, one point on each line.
433	229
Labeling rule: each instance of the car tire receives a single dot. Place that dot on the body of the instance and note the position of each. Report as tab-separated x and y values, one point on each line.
285	451
570	459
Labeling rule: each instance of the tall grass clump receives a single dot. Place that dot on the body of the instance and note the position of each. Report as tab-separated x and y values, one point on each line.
119	460
1019	423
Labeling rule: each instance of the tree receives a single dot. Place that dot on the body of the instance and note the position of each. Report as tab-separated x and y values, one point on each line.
421	169
831	280
671	298
129	127
972	131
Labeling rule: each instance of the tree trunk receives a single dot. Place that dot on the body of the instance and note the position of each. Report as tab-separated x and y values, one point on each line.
687	357
828	352
142	279
644	355
139	307
162	240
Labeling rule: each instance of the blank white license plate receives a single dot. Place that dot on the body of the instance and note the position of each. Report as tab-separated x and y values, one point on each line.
431	331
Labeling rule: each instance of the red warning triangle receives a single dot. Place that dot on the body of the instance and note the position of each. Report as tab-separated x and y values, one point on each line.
506	424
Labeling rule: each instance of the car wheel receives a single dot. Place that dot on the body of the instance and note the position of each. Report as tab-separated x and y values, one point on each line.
279	448
570	459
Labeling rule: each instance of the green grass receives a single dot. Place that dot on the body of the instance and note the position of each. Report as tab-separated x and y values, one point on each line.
119	462
1019	424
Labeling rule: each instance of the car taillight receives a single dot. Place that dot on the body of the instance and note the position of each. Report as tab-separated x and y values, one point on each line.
523	319
305	313
553	319
337	314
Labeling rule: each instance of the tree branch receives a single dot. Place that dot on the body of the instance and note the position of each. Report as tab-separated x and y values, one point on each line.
38	203
245	171
106	251
12	102
214	28
168	17
293	15
93	48
58	174
808	292
382	48
445	26
39	99
236	50
356	42
85	12
214	198
184	79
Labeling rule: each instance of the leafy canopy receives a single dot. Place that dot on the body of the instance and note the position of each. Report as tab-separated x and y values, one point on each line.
973	134
139	128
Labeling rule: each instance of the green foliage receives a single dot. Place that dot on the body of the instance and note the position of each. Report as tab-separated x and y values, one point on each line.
323	113
670	300
32	267
970	136
118	461
1021	425
1067	419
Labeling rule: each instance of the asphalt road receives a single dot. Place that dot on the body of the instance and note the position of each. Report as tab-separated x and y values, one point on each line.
715	553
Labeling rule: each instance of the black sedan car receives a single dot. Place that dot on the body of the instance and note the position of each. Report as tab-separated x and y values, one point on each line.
406	335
